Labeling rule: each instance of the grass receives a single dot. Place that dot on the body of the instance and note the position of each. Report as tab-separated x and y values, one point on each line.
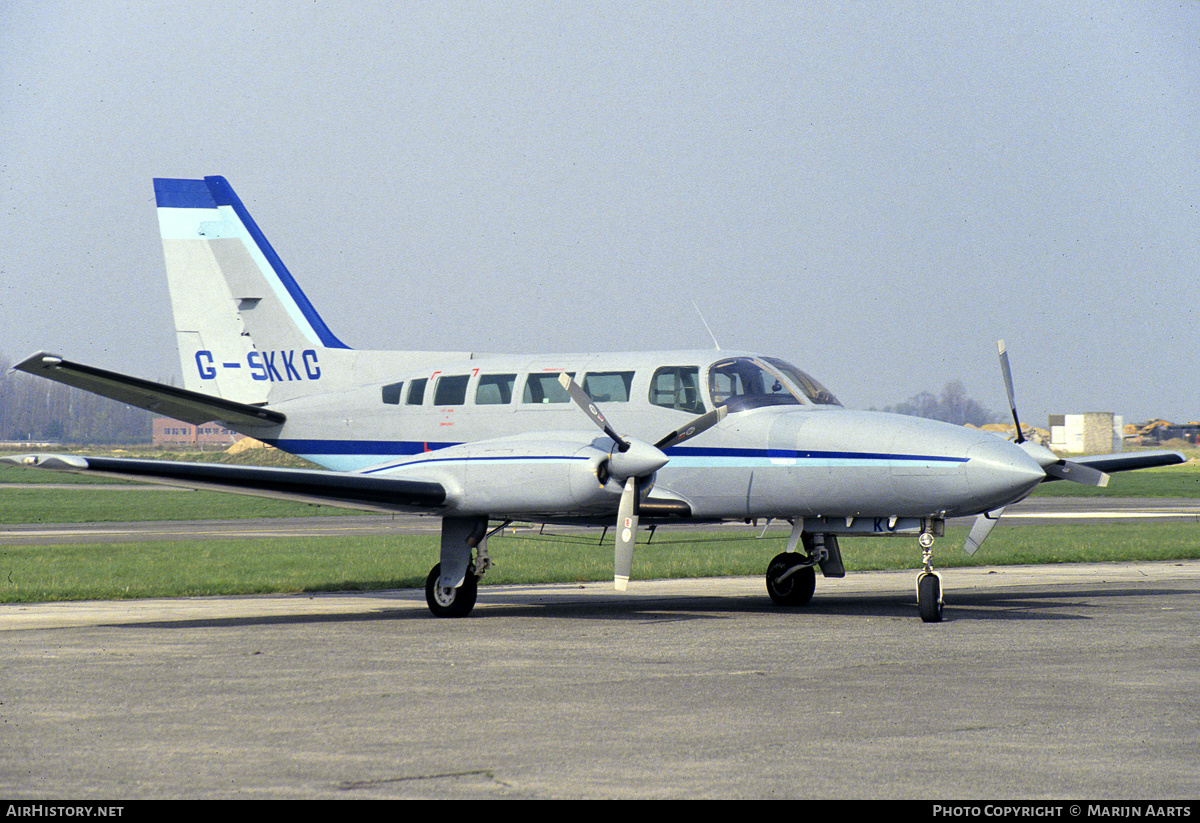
98	505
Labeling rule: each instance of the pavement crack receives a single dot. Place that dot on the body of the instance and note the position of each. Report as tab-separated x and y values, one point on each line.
350	785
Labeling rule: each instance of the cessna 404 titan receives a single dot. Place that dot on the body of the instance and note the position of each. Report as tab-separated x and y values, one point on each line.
695	436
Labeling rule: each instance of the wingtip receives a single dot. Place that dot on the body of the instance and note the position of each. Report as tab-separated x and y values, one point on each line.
59	462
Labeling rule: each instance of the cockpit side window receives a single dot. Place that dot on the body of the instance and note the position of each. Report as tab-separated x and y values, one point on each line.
677	387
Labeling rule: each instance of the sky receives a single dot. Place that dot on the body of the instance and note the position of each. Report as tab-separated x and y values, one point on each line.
876	192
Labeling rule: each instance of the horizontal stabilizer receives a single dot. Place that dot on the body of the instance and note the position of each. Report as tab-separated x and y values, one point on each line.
169	401
342	489
1128	461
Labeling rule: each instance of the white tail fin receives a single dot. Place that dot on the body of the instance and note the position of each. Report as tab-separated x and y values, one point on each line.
242	322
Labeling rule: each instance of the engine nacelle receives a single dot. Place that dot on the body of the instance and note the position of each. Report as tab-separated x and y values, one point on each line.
520	476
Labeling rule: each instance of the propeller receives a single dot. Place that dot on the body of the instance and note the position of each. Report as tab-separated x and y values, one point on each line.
1006	373
1054	467
633	461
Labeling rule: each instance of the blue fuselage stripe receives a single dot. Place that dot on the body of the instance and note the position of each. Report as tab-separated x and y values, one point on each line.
684	454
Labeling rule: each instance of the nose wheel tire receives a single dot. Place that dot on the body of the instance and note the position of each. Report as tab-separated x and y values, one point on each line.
794	589
929	597
445	602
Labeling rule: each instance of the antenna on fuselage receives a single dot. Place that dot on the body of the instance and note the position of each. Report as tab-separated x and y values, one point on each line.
716	345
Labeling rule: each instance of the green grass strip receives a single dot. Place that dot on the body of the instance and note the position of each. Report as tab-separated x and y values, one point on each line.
225	567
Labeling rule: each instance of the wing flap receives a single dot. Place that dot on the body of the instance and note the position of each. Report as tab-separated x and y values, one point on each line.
169	401
346	490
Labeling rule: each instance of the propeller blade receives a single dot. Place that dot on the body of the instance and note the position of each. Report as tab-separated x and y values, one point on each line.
982	527
1006	372
627	522
584	402
1077	472
701	424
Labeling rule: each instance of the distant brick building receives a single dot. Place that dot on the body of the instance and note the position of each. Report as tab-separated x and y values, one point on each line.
168	432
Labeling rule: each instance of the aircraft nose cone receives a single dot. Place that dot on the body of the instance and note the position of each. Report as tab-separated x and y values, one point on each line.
999	472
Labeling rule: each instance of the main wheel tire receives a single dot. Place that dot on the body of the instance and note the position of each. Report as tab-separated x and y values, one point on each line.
451	602
929	597
796	590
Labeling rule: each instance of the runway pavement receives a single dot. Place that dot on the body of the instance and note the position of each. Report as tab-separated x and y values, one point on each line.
1043	683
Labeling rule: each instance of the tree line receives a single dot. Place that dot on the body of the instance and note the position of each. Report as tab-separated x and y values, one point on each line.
33	409
952	406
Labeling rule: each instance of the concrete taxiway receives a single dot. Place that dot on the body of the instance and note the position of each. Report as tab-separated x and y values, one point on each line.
1043	682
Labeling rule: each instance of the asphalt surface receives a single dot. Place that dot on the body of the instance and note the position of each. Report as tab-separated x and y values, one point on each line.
1042	683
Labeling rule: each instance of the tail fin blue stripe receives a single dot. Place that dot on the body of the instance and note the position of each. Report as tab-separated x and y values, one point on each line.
182	194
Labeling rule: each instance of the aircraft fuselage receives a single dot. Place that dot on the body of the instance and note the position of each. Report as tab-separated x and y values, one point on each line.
496	432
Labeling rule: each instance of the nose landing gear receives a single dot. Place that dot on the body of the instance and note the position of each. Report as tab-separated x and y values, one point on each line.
929	583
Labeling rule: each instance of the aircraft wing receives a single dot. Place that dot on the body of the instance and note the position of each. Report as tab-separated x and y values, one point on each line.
169	401
1128	461
342	489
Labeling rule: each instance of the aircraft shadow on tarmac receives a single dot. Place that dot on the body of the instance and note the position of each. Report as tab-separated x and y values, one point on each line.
1029	603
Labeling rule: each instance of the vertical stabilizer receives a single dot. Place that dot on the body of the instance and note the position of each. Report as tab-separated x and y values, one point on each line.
243	325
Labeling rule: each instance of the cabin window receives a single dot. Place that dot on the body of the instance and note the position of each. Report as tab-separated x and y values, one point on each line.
677	387
451	390
391	393
609	386
545	388
416	391
495	389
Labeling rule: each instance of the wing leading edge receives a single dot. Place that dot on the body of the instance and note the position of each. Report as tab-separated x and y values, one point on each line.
345	490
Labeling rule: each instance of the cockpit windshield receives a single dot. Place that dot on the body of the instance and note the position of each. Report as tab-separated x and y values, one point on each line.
813	390
749	383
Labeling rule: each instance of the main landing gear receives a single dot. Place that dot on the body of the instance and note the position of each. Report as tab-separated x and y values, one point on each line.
453	584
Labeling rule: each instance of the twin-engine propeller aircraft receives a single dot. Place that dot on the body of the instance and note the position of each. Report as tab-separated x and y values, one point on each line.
695	436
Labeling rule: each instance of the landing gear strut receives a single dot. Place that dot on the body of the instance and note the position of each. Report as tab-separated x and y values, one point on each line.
929	583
